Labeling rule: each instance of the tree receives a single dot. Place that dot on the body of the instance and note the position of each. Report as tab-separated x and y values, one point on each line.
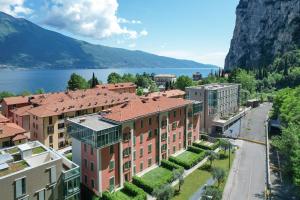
178	175
183	81
40	91
139	91
93	81
165	192
218	174
211	193
153	87
77	82
143	80
211	156
246	79
5	94
225	144
127	77
114	78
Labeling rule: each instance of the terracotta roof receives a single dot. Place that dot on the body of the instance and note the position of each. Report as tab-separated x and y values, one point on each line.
19	137
117	86
144	106
3	119
168	93
16	100
22	111
82	102
10	130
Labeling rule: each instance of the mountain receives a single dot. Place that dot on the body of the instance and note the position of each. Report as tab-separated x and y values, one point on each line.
264	29
26	45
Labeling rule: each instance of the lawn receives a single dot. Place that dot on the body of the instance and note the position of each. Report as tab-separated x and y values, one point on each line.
199	177
38	150
14	167
155	176
12	150
69	156
187	156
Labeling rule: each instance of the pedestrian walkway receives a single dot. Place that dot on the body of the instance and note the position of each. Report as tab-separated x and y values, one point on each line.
197	195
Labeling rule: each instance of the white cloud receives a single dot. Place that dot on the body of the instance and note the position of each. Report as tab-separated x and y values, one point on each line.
14	7
89	18
144	33
215	58
133	45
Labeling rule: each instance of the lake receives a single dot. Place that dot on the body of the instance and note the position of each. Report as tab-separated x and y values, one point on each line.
56	80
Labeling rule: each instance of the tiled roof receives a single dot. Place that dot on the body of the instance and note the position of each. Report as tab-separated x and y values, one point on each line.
3	119
16	100
144	106
19	137
10	130
22	111
117	86
168	93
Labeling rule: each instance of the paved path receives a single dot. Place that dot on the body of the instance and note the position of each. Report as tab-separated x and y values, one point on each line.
197	195
247	177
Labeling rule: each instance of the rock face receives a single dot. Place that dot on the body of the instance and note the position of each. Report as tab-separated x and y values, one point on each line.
263	30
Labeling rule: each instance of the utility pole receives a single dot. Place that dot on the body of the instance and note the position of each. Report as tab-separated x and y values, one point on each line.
229	153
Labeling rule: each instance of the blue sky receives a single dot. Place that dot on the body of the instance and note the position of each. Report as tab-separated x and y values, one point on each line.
199	30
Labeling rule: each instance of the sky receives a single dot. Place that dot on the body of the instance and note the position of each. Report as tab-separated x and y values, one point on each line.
198	30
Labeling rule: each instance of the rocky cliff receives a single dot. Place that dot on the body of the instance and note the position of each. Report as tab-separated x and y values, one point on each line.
264	29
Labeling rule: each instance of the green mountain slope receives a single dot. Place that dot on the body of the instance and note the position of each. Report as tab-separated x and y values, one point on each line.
24	44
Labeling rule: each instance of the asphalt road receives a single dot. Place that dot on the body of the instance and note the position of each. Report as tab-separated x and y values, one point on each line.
247	178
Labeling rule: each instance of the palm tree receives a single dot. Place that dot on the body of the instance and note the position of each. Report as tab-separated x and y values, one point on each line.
219	175
211	156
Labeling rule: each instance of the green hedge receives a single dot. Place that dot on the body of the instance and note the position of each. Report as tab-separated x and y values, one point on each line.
212	147
171	166
195	149
190	163
129	189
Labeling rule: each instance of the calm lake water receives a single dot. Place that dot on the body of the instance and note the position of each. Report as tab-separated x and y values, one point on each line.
56	80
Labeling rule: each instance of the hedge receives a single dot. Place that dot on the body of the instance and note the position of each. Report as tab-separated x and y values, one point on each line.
171	166
129	189
189	164
212	147
195	149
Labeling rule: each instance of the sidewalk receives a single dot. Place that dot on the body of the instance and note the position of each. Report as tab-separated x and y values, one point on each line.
197	195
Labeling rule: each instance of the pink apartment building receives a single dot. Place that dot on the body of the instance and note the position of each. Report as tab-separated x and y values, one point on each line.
126	140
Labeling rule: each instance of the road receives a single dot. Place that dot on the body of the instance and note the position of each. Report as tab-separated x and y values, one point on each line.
247	178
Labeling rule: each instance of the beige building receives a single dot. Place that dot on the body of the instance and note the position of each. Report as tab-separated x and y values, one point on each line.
220	105
33	171
162	79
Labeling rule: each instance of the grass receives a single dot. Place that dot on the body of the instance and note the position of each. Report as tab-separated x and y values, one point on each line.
69	156
12	150
199	177
38	150
121	195
187	156
154	176
13	167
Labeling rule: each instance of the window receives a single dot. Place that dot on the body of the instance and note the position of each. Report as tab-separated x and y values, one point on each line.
164	147
50	129
20	187
50	120
150	121
53	175
174	149
149	162
127	165
174	125
126	137
92	151
163	123
149	134
141	166
111	165
134	155
85	163
84	147
141	138
61	125
156	131
141	152
61	135
92	183
41	194
126	152
111	149
50	139
163	136
174	114
92	166
174	137
134	170
111	183
190	125
85	179
149	148
134	140
190	134
142	124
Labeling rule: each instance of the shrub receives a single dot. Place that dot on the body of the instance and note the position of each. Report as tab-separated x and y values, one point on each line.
212	147
138	181
195	149
171	166
108	196
133	190
187	164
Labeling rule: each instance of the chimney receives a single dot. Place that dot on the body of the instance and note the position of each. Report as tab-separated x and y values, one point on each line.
1	131
81	120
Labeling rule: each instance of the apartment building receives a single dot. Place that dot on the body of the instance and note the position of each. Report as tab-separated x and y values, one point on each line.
33	171
162	79
168	93
131	138
44	115
220	105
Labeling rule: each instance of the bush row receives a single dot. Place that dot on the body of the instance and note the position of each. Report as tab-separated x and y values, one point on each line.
190	162
171	166
130	189
212	147
195	149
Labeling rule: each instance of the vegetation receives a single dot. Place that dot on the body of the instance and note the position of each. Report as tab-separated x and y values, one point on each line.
211	193
93	81
182	82
77	82
165	192
219	174
38	150
211	156
14	167
189	158
202	145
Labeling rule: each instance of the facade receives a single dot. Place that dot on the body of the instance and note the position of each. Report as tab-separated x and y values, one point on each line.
131	138
33	171
11	134
162	79
197	76
44	115
220	105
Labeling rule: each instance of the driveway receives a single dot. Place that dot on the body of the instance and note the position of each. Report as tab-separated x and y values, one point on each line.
248	174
